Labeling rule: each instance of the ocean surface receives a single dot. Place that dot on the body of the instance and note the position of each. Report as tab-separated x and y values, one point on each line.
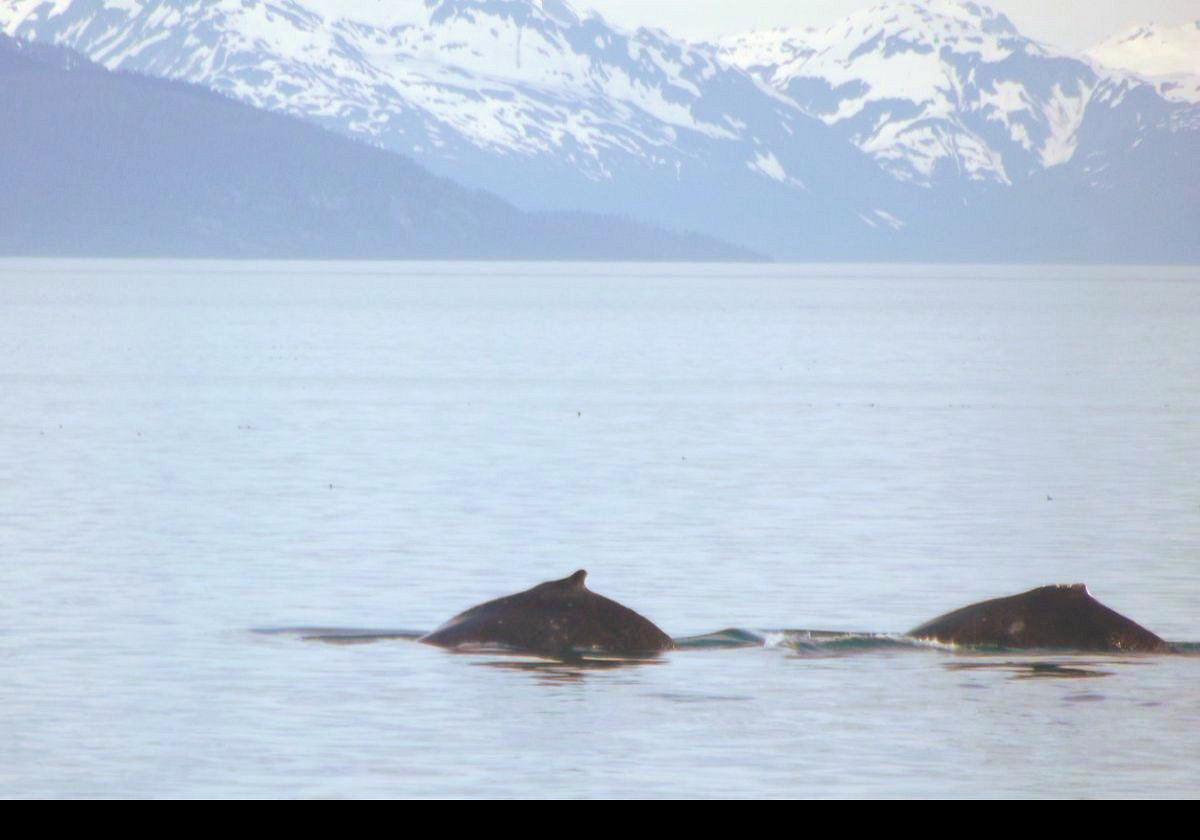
192	453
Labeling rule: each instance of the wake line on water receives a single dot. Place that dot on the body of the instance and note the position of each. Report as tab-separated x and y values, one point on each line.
828	642
805	642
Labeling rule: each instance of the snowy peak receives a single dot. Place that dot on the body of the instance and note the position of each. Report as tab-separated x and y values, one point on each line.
1153	50
1167	55
921	25
521	75
890	27
949	19
904	47
762	51
525	98
484	68
933	91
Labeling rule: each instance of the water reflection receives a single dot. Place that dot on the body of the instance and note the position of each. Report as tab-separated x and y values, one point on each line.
566	670
1037	669
340	635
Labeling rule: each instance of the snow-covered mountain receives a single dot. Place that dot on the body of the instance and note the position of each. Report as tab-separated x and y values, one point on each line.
525	78
1153	50
1169	55
97	163
943	91
439	74
522	97
932	130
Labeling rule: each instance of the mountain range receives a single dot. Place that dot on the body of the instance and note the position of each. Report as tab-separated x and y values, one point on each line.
102	163
931	131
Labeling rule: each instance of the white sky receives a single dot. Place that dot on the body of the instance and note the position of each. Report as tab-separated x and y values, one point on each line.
1072	24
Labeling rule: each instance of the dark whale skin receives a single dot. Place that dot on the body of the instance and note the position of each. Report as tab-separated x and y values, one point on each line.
1063	617
556	618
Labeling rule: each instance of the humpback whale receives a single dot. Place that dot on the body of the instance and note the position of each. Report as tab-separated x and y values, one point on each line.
556	618
1064	616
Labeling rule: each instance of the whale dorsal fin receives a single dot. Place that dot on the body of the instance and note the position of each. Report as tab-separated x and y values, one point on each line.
563	586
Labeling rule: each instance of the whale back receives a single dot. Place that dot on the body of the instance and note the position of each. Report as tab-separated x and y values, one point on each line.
1064	616
559	617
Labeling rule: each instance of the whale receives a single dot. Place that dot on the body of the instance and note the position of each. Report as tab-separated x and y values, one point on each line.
1062	616
558	618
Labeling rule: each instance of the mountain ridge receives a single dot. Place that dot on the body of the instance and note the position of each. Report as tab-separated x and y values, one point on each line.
97	163
909	132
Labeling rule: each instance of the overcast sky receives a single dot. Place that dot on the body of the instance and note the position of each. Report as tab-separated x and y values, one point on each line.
1072	24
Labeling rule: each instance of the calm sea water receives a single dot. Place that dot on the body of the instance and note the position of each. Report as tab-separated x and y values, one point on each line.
193	450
